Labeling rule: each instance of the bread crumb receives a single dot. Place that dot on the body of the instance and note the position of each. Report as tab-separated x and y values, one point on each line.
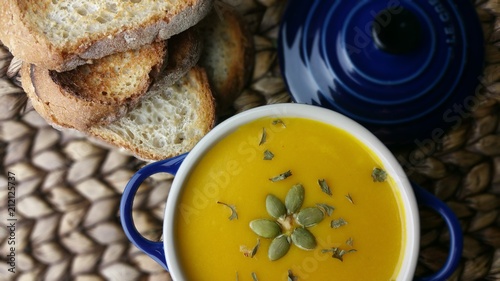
129	38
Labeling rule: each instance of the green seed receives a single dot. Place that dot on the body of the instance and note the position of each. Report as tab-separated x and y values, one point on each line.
294	198
303	239
265	228
310	216
274	206
279	247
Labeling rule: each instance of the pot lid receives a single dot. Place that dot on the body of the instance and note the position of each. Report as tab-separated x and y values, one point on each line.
399	67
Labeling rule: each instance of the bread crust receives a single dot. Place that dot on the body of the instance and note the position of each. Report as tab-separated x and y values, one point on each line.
78	105
225	28
184	53
60	108
25	42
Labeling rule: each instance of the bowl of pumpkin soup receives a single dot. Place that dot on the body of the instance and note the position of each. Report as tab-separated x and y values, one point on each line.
289	192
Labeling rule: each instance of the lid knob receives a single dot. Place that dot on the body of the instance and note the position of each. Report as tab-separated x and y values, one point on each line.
396	33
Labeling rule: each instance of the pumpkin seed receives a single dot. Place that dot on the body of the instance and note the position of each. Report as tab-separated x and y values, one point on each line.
265	228
310	216
294	198
279	247
303	239
274	206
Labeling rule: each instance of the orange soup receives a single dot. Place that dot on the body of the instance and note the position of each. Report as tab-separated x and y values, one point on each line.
289	199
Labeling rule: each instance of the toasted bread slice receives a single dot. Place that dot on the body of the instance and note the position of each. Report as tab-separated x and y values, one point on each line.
227	54
184	53
60	35
97	93
167	123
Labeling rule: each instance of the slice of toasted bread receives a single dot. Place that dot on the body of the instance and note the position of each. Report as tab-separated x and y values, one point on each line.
167	123
227	54
184	53
60	35
97	93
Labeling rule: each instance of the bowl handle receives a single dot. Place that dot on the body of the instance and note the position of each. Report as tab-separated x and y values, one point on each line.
153	249
426	199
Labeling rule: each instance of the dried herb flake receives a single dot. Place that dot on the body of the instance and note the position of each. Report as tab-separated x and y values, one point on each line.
327	209
379	175
234	214
338	253
338	223
292	277
281	176
349	197
255	249
263	137
279	122
350	242
324	187
268	155
250	253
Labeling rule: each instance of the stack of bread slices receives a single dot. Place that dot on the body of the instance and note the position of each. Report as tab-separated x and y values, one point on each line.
146	76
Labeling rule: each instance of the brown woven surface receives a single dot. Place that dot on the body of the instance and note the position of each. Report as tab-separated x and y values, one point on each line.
68	189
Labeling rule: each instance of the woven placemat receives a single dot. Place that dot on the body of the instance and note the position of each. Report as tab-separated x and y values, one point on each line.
66	222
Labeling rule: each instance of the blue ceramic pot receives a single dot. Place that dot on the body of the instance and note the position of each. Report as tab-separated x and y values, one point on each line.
406	70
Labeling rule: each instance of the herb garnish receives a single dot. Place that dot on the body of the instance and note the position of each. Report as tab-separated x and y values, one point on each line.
291	277
350	241
324	187
255	249
250	253
281	176
379	175
234	214
349	197
254	276
338	253
327	209
268	155
280	122
263	137
338	223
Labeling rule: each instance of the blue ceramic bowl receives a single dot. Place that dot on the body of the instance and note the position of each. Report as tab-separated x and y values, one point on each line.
166	252
406	70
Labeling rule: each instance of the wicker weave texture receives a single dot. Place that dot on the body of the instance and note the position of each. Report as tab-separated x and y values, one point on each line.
68	189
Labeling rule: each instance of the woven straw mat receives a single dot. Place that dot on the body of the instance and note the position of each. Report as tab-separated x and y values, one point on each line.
68	189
